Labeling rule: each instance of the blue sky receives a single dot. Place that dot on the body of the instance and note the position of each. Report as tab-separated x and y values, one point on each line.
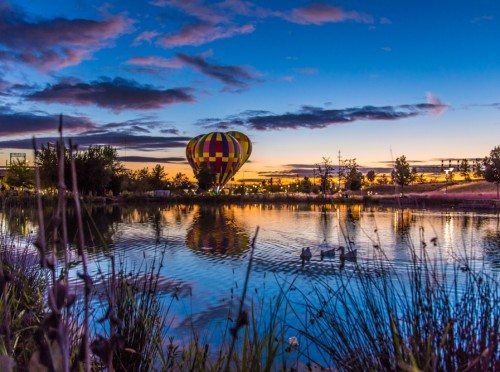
302	79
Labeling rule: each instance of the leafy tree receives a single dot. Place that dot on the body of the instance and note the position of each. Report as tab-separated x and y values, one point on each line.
325	172
305	185
370	176
383	179
140	180
19	175
402	173
492	167
46	159
464	169
205	178
181	181
96	168
156	179
450	175
414	172
352	176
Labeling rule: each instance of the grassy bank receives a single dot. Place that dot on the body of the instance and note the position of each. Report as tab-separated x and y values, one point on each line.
448	201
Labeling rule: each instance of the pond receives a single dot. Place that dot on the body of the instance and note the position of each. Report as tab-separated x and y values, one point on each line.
206	249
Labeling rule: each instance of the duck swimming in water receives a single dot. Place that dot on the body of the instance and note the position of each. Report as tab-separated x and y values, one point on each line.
305	254
328	253
350	255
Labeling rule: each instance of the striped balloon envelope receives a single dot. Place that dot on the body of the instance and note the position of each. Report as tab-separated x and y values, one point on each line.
221	153
246	146
189	151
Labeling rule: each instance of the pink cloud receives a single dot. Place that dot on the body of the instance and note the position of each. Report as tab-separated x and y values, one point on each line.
146	36
202	33
318	14
237	6
156	61
56	43
232	76
438	107
195	9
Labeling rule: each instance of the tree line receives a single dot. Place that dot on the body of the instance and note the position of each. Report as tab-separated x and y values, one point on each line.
99	172
402	173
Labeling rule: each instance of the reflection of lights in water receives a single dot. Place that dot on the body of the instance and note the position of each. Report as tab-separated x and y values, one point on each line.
448	233
395	221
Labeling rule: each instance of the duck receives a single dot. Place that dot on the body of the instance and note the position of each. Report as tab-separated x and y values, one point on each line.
349	255
328	253
305	254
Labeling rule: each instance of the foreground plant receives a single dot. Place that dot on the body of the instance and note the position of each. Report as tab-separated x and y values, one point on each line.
429	316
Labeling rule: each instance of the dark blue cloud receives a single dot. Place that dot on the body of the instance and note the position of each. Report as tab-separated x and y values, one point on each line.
317	117
116	94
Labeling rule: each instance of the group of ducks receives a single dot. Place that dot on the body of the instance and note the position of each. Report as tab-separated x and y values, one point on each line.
349	255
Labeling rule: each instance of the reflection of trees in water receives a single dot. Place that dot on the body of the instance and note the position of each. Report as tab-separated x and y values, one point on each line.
99	223
491	246
325	224
216	230
480	221
403	221
349	217
18	220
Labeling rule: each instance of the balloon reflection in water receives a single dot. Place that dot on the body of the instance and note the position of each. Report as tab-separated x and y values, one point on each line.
216	230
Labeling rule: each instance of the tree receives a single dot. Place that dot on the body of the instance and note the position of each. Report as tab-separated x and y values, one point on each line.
96	167
402	173
325	172
352	176
19	175
464	169
477	168
370	176
492	167
157	178
383	179
414	172
46	159
205	178
305	185
181	181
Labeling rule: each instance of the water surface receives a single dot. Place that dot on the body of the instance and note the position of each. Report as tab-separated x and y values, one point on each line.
205	249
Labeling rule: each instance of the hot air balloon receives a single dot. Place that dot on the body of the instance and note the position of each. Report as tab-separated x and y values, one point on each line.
221	154
246	146
189	151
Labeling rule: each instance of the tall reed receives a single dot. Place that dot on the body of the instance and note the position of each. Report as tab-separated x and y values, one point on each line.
428	316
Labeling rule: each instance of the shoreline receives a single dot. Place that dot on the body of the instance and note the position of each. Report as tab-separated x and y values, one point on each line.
419	201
